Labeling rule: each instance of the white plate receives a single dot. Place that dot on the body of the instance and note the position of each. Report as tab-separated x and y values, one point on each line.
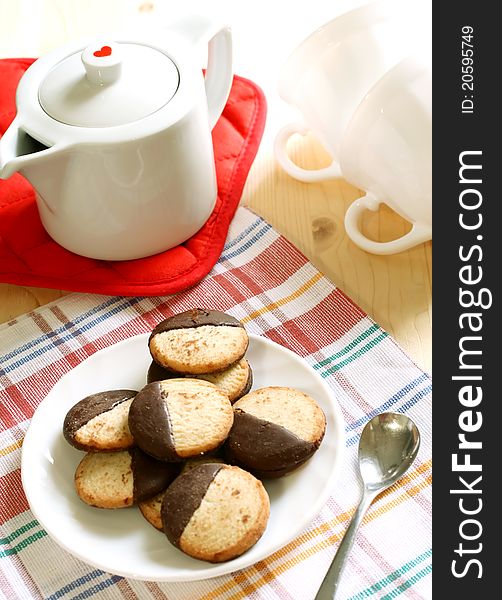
121	541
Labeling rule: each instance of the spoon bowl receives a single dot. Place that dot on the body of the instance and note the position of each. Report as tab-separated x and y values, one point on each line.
388	446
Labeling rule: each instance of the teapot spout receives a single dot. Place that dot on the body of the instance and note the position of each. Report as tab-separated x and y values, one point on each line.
18	150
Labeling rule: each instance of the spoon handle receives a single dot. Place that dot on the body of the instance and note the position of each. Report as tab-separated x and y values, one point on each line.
329	585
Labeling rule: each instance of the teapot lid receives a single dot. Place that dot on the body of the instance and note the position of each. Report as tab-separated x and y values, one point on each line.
109	84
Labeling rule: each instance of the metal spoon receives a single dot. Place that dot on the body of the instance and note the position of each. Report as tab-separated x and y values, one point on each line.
388	446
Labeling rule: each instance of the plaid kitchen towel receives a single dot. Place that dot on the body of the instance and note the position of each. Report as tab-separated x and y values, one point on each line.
264	280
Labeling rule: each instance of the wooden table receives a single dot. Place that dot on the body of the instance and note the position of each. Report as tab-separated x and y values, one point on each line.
394	290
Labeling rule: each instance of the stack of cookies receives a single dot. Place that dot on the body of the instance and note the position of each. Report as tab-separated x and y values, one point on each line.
191	447
202	344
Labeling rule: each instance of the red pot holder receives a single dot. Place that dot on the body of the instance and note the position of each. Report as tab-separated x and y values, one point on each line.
28	256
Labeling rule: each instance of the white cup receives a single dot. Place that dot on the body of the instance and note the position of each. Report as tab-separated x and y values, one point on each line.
327	76
386	150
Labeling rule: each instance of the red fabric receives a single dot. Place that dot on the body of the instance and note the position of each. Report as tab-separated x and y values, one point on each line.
28	256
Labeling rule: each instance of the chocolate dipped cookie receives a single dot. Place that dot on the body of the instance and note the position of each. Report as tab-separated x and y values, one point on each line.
179	418
100	422
121	479
151	508
275	430
236	381
215	512
198	341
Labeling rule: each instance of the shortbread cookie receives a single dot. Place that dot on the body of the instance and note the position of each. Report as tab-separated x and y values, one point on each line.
120	479
198	341
275	430
179	418
100	422
150	508
236	381
215	512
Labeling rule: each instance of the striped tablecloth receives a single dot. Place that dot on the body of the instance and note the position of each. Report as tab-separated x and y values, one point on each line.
263	280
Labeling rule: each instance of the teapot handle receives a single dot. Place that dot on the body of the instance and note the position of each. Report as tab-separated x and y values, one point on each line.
200	29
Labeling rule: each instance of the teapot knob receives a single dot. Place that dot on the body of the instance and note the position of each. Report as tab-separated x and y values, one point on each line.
102	62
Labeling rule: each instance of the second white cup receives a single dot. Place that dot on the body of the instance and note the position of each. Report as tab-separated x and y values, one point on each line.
327	76
387	151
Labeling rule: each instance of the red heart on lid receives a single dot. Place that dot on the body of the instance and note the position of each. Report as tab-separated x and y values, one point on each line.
104	51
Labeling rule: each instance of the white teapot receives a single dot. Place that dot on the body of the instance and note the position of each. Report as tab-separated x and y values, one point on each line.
115	137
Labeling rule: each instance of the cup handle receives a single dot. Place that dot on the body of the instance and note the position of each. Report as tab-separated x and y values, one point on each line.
419	233
308	175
